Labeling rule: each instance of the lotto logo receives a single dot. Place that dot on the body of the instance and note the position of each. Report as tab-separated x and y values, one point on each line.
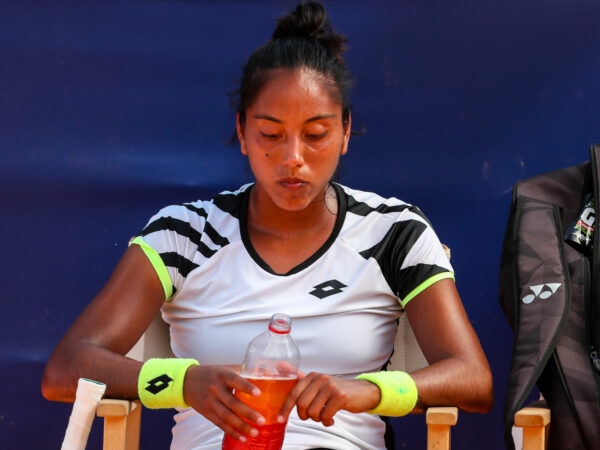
541	291
327	288
159	384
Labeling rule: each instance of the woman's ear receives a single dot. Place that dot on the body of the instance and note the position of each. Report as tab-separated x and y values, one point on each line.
240	134
347	132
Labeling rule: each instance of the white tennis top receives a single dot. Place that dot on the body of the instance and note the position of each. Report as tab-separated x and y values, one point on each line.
344	301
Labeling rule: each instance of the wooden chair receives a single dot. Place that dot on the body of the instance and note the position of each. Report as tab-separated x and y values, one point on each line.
122	418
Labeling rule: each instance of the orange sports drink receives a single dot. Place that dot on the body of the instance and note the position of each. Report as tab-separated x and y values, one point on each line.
273	393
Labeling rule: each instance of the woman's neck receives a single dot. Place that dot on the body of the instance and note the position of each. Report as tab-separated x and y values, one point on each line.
286	239
266	218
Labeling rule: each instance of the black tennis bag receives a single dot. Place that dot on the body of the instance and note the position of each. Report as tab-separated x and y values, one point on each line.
550	295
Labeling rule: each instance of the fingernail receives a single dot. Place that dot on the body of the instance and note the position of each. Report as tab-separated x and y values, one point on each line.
254	432
261	421
280	419
242	438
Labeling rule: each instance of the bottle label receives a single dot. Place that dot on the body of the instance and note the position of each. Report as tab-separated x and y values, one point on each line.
580	234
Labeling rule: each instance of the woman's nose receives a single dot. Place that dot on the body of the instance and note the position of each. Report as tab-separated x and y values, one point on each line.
293	152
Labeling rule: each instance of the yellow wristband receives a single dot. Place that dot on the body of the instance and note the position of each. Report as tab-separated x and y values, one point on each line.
160	383
398	392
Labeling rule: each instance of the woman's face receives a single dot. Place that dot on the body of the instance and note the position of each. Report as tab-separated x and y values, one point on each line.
293	137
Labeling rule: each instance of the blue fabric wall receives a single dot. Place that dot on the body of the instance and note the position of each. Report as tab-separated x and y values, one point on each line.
110	110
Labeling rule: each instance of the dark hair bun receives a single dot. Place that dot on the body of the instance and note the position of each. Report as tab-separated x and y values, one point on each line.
309	21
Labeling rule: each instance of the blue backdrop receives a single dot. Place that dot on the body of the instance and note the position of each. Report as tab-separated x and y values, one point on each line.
110	110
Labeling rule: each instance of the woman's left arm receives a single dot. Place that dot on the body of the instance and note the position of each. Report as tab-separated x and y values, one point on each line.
458	373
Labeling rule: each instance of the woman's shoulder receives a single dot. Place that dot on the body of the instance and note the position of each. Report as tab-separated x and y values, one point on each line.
227	201
363	202
221	211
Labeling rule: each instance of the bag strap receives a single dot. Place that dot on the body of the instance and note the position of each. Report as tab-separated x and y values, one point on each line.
535	289
592	307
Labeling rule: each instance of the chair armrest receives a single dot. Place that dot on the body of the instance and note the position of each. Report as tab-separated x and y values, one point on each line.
532	417
442	415
122	420
108	407
439	419
535	423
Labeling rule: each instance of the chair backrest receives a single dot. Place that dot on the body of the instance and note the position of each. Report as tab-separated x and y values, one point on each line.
407	352
154	343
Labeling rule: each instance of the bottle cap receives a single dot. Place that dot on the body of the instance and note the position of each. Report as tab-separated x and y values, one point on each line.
280	324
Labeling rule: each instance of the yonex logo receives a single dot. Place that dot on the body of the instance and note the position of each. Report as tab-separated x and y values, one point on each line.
327	288
541	291
159	383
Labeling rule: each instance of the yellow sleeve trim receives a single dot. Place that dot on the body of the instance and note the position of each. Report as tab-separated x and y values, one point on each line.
158	264
420	288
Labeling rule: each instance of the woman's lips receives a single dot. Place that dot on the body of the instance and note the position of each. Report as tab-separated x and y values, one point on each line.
292	183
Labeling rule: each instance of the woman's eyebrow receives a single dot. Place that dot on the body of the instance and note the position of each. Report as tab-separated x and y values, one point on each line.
310	119
267	117
321	117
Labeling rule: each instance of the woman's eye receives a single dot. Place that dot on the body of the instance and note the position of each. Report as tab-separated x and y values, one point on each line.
270	137
316	136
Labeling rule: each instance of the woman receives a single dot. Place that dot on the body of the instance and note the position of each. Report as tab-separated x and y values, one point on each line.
342	262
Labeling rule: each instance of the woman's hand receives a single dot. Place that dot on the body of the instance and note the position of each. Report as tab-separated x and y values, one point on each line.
209	390
319	397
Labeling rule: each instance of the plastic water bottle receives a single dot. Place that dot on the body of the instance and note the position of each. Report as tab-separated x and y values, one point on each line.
271	363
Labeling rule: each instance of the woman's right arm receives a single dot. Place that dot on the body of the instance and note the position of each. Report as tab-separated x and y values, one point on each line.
107	329
110	326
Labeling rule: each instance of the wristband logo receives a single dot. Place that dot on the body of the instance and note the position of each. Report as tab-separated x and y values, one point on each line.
159	384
